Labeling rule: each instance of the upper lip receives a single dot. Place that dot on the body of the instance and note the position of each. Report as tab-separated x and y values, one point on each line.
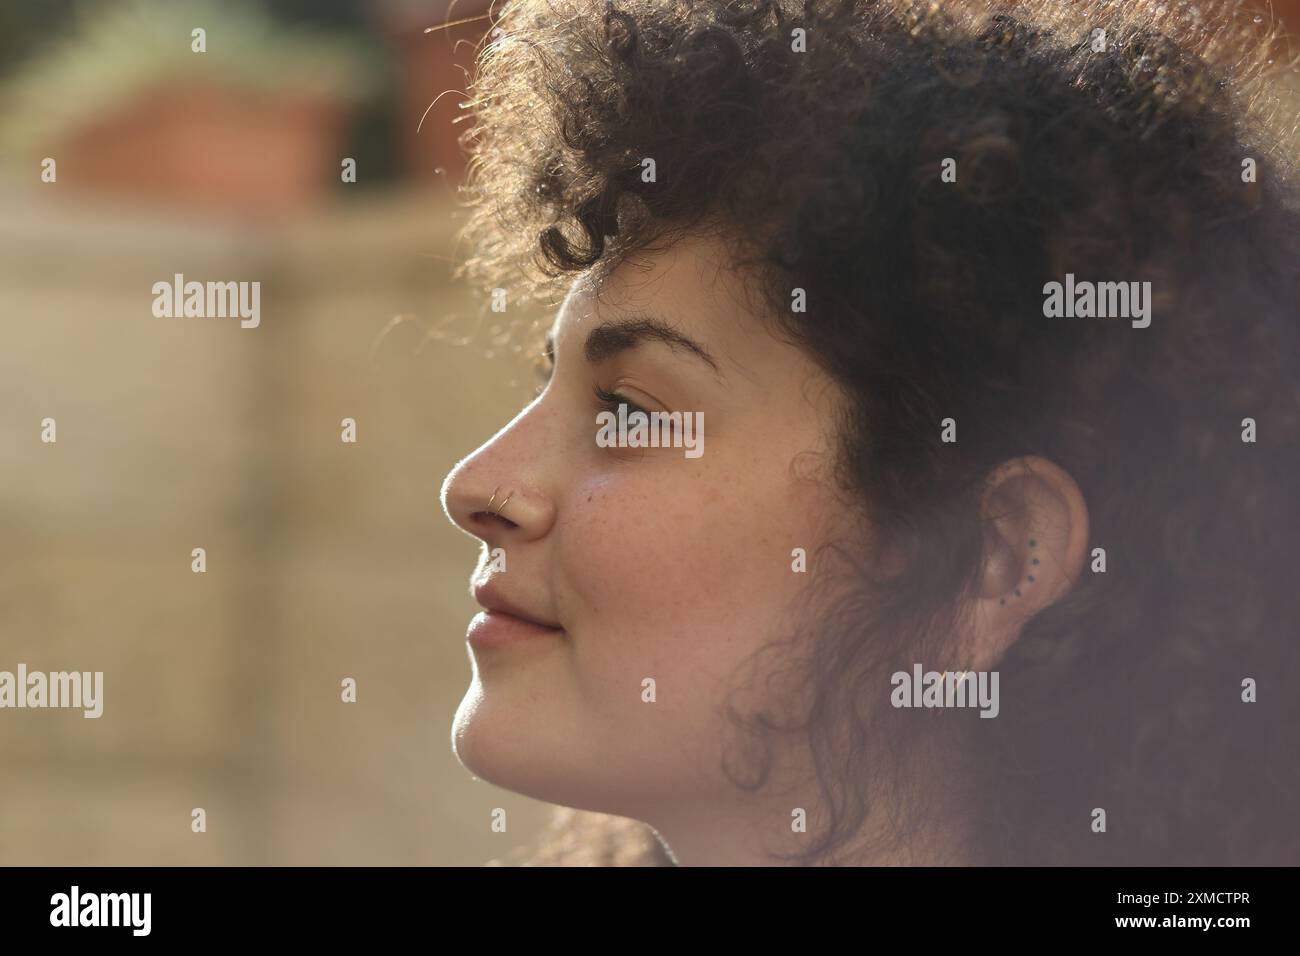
489	596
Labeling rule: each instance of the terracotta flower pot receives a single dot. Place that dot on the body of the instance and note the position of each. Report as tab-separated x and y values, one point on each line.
212	147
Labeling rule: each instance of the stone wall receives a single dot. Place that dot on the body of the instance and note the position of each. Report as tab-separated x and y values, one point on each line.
324	560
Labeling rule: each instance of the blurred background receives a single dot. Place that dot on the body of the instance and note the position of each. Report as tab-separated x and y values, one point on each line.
325	560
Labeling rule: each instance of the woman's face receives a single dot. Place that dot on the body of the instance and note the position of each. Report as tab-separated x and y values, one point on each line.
650	565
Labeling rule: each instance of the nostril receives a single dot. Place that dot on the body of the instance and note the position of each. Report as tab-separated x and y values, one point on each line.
491	516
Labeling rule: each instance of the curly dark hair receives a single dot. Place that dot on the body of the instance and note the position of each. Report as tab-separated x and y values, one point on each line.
1109	156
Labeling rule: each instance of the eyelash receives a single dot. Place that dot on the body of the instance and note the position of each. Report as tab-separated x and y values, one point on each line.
609	401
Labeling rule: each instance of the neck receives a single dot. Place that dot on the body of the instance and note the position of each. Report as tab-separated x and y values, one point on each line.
760	829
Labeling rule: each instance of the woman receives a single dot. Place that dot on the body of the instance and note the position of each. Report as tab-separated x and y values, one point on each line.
989	316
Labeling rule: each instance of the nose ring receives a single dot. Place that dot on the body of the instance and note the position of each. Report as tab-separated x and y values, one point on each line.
497	510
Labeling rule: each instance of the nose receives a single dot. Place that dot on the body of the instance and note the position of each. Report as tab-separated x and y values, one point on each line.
497	493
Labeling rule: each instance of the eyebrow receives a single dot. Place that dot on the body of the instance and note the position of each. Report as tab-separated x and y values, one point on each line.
617	336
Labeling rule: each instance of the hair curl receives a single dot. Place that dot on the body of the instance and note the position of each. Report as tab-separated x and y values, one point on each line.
821	170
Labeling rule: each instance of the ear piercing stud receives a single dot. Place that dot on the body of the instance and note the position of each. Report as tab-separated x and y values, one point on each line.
1030	578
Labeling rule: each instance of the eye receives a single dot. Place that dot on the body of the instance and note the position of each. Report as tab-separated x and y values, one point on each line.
609	401
669	432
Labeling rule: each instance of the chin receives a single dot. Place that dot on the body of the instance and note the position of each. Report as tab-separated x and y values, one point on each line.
502	743
501	739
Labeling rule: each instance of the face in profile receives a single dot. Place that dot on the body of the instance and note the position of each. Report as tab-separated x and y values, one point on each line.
638	583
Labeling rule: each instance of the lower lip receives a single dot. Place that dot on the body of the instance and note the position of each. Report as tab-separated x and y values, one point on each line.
496	629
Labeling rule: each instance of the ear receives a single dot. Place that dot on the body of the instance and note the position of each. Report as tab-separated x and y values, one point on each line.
1035	545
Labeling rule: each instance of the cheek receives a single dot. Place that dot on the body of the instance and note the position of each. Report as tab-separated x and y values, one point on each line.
676	571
